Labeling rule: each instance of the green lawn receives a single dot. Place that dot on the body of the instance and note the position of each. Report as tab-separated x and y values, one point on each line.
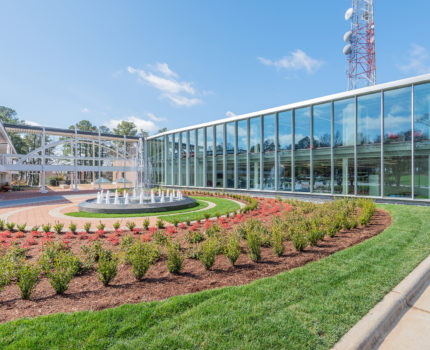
306	308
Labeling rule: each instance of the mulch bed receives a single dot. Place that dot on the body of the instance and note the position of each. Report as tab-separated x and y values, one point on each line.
86	292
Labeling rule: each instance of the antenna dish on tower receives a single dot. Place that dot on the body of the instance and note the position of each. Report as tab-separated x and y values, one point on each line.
347	49
347	36
349	13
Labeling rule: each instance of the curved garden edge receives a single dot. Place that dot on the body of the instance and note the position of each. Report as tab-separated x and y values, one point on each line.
86	293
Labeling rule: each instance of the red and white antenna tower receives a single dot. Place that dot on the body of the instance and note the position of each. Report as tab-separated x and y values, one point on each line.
360	47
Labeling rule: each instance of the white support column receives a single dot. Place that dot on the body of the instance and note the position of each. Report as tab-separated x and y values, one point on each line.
43	189
94	164
75	189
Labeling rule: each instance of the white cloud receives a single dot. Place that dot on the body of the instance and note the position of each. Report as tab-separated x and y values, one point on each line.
418	61
171	87
85	110
141	124
229	114
297	60
165	70
153	117
182	100
29	122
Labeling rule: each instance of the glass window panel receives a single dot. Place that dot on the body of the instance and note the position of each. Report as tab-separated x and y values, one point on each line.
254	148
169	159
422	140
192	154
209	155
183	156
199	164
344	129
269	152
369	145
176	159
302	139
321	148
397	143
284	150
230	155
242	156
219	143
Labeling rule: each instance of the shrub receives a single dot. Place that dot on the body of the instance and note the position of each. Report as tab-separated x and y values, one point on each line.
217	214
315	233
21	228
131	225
34	228
175	222
140	256
213	230
2	225
58	227
50	251
126	243
64	267
107	267
101	226
6	271
93	250
188	222
175	258
253	241
10	226
299	240
28	278
208	252
145	224
87	227
232	249
194	237
277	240
159	224
206	216
46	228
159	237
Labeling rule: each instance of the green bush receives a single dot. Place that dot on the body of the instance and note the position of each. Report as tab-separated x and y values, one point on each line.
315	233
146	224
6	271
175	257
232	249
253	241
131	225
58	227
175	222
21	228
116	225
107	268
93	250
46	228
63	268
10	226
299	240
159	237
28	278
194	237
208	252
34	228
2	225
213	230
101	226
87	227
206	216
277	240
126	243
140	256
159	224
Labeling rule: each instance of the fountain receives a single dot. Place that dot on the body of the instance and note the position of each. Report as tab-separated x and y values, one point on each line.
142	198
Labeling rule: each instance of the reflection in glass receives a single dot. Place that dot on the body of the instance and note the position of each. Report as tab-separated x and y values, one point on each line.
343	140
284	149
200	153
422	140
369	145
209	155
230	149
321	148
219	144
175	159
269	152
183	156
254	148
397	143
169	159
242	148
192	154
302	139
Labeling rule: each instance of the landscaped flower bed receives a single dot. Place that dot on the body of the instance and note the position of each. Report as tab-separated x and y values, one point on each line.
147	263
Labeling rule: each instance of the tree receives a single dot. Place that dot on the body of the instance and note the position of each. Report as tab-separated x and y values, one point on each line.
162	130
125	128
8	115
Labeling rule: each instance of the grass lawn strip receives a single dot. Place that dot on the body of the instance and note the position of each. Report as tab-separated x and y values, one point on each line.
308	307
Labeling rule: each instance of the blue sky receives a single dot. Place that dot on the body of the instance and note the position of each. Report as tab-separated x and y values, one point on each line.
177	63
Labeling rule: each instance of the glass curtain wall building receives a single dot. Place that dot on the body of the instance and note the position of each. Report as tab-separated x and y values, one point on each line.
371	142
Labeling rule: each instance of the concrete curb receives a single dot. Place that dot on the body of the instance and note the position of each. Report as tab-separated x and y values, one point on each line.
374	326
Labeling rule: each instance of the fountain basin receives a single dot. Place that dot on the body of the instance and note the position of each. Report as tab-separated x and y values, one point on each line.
91	206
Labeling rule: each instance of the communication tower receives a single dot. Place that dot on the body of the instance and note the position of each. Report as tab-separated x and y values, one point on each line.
360	47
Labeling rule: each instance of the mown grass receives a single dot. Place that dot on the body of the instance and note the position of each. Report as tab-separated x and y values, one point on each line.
306	308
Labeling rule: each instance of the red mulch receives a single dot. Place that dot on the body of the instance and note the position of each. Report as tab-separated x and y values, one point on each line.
87	292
